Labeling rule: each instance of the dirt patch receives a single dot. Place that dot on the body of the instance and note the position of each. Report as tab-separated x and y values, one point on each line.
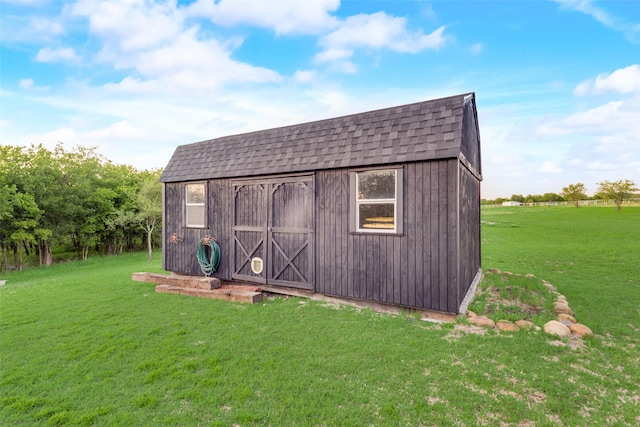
460	330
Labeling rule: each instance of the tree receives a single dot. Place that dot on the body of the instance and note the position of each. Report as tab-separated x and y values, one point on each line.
150	206
618	191
574	193
72	199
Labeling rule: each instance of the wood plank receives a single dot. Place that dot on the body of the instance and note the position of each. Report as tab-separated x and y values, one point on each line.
427	277
444	234
220	294
321	284
453	297
177	280
412	219
419	249
388	270
434	242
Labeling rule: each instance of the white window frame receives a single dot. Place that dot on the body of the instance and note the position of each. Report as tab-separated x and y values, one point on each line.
397	202
189	205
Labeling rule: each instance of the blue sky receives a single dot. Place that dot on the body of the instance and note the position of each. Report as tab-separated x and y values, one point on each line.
557	82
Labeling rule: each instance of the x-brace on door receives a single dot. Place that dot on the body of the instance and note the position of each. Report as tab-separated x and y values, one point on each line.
273	221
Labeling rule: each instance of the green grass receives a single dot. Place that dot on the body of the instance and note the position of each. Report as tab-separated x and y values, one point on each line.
519	297
591	254
81	344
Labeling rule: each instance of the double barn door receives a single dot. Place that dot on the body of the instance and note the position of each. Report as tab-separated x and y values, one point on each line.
273	231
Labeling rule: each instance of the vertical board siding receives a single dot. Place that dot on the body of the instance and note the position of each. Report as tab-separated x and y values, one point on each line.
181	252
249	240
415	269
291	226
431	265
470	260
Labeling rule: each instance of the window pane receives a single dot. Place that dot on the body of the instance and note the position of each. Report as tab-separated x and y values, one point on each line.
377	185
195	193
195	216
376	216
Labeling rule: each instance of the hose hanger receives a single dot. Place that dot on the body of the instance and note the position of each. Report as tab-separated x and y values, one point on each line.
209	262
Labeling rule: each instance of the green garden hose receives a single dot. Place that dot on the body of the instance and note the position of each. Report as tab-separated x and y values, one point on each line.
208	264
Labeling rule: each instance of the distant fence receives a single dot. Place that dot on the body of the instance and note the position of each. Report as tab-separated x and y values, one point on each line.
631	202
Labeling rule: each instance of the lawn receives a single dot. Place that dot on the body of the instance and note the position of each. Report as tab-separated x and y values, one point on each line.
81	344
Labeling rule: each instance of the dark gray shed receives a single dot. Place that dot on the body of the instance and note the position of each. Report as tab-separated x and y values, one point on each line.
381	206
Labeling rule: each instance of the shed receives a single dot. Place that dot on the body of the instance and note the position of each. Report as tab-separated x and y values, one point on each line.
382	206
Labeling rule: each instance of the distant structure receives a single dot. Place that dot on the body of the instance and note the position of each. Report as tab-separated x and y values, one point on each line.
381	206
511	203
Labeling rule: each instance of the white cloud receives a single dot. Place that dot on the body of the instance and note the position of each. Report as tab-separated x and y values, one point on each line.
588	7
130	25
549	167
29	84
29	30
165	56
304	76
334	54
377	31
122	130
283	16
477	48
624	80
46	26
56	55
190	64
24	2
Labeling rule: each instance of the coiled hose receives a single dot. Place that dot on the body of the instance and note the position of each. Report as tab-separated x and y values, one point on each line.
208	263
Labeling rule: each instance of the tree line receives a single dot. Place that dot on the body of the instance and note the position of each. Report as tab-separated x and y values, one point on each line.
68	203
618	191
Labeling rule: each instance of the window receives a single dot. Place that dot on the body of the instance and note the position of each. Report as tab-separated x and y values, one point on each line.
195	205
377	201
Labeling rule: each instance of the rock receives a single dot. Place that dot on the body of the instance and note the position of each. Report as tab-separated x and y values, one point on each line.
482	321
525	324
530	276
553	327
507	273
580	330
567	316
561	298
566	322
562	307
493	271
505	325
549	286
471	313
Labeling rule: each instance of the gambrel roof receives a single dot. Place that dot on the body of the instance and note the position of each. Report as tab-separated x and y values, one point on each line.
436	129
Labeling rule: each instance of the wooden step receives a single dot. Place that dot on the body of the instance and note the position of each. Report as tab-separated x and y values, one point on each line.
178	280
225	292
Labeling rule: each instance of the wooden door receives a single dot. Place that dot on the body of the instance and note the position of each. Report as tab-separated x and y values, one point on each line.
249	230
273	221
290	232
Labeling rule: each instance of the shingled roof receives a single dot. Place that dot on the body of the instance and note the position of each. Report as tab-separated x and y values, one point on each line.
414	132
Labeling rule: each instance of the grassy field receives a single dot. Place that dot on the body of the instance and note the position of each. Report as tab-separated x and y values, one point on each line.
81	344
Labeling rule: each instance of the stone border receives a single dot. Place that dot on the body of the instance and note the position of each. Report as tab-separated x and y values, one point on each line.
566	324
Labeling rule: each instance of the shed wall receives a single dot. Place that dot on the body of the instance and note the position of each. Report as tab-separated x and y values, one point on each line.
430	265
470	255
416	269
180	254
